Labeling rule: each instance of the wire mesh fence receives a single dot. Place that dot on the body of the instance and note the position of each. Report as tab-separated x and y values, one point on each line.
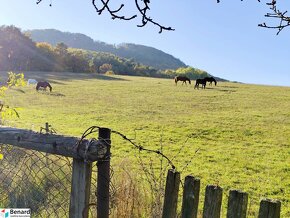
42	182
37	180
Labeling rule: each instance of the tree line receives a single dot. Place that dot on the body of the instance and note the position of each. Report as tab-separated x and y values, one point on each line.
19	53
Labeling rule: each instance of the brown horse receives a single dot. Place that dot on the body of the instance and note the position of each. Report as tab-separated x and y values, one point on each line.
210	80
43	85
200	81
181	78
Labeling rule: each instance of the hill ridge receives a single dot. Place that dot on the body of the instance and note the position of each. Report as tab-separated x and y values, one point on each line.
143	54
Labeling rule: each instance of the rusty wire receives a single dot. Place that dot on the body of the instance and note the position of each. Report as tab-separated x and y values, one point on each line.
42	181
94	129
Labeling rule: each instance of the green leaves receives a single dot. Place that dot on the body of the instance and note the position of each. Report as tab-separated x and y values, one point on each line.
6	111
15	79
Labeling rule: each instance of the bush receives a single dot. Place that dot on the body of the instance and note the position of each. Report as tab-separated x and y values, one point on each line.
109	73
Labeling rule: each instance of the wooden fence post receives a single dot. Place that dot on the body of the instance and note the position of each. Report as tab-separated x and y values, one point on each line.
212	202
80	189
190	197
103	177
171	194
269	208
46	127
237	204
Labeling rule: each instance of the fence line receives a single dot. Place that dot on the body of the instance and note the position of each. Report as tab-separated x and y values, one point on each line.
54	176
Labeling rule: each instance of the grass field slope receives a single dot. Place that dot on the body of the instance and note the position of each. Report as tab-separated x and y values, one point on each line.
241	131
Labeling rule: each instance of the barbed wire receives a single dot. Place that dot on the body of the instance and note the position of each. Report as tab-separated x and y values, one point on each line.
94	129
45	178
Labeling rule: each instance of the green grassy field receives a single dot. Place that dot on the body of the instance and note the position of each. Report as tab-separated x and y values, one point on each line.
242	131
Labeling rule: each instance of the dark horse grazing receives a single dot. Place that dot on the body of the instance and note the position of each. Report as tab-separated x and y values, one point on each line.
210	80
200	81
181	78
43	85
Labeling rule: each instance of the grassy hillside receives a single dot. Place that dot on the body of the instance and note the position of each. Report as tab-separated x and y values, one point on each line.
242	131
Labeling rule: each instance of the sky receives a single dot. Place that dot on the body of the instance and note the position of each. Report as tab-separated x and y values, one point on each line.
223	39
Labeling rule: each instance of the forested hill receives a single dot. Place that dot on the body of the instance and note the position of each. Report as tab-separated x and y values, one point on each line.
143	54
19	53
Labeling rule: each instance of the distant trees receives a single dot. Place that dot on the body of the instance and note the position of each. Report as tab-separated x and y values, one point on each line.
190	72
46	56
105	67
19	53
139	53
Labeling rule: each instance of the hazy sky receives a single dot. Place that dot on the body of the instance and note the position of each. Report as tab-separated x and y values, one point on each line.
223	38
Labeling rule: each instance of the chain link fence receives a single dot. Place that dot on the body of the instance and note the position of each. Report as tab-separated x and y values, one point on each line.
37	180
42	181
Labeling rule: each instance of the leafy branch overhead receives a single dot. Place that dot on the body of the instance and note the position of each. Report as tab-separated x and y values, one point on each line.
142	8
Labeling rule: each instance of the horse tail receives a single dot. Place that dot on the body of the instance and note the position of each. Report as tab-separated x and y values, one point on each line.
215	82
175	80
50	88
189	81
37	86
196	83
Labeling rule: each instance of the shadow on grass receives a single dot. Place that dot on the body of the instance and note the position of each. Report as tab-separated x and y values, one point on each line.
17	90
230	87
57	94
105	77
64	76
220	90
226	90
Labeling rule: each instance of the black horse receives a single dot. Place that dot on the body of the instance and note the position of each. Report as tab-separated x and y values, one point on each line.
43	85
200	81
210	80
181	78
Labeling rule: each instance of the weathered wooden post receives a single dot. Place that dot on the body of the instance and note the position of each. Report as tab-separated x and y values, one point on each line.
80	189
82	152
46	127
212	202
171	194
237	204
269	208
190	197
103	179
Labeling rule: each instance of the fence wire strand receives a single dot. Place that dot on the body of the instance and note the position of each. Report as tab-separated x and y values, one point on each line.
42	182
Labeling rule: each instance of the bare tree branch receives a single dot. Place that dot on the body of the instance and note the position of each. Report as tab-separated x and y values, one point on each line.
112	12
146	19
143	8
277	14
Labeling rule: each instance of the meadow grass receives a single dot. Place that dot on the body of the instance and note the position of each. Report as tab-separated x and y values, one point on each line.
241	131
